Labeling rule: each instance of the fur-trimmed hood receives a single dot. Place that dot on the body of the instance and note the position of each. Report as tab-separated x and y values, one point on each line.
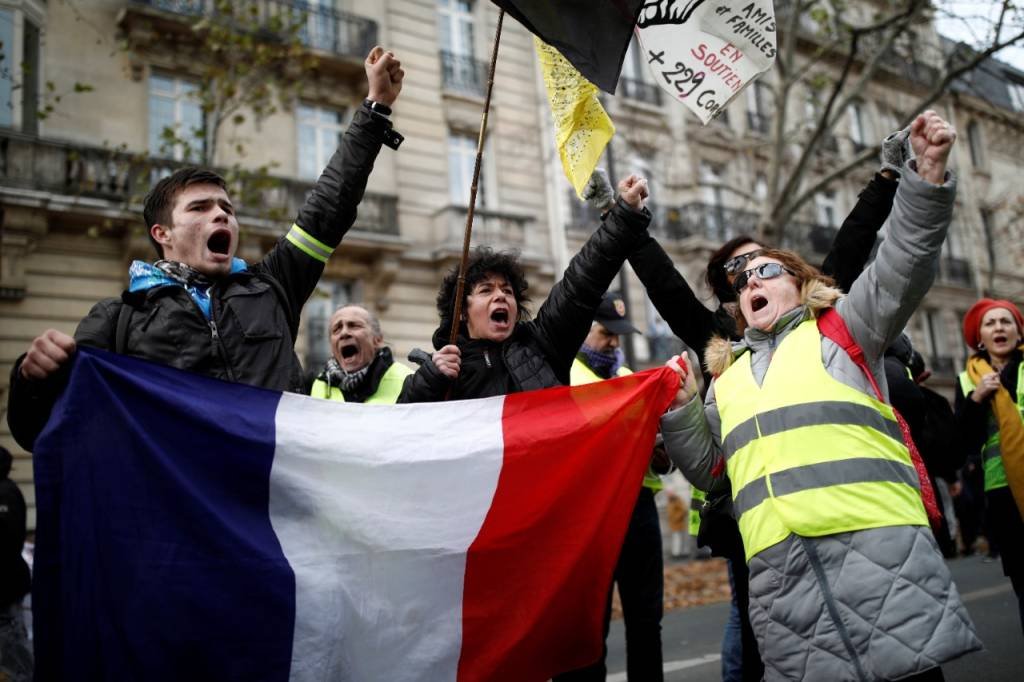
815	296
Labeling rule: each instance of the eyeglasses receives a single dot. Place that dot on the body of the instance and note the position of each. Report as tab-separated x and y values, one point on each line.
762	271
736	263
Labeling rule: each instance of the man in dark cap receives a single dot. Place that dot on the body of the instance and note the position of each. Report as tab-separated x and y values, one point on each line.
639	572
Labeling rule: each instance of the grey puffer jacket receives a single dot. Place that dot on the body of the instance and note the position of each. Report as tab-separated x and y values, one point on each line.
875	604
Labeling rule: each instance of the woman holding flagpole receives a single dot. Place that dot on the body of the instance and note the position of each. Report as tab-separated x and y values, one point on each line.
500	349
846	581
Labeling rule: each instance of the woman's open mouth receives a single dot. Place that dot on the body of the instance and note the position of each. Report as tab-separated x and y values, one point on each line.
219	242
999	338
757	302
349	350
499	315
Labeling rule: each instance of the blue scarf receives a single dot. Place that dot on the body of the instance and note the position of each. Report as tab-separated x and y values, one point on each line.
604	363
164	273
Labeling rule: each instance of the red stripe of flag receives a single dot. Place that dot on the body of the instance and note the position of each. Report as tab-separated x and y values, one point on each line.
538	573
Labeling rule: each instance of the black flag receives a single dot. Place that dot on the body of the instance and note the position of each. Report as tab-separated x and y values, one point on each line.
592	34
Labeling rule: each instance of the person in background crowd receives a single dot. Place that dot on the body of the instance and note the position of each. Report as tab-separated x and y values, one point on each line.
200	309
361	368
927	429
15	579
639	572
820	473
939	448
677	515
990	421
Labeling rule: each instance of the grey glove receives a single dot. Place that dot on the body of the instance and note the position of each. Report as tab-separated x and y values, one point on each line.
896	151
598	192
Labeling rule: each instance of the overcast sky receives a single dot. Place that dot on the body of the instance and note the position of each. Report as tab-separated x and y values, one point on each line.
971	22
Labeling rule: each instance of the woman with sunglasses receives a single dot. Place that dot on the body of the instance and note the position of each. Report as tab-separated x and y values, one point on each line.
694	324
846	581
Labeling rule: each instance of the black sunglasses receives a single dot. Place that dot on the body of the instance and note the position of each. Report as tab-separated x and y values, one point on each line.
736	263
763	271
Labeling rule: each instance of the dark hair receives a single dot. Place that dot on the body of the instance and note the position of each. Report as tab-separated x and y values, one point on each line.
5	462
484	261
160	201
715	275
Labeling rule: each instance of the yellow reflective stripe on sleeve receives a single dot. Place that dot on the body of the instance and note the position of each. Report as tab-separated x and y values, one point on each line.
308	244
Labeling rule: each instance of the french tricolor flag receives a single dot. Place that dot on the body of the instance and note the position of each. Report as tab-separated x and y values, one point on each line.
193	529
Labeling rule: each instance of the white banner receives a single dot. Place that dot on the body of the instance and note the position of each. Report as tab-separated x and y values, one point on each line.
704	52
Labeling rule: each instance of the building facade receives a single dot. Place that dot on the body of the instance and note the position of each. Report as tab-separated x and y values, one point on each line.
90	91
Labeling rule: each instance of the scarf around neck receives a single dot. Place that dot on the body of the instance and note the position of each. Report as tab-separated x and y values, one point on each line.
1011	428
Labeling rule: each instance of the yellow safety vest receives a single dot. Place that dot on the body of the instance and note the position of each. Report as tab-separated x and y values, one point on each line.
991	452
387	391
809	455
580	374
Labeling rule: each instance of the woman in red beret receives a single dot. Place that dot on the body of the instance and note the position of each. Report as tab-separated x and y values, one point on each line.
990	417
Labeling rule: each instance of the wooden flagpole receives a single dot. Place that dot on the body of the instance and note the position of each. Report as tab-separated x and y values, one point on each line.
460	287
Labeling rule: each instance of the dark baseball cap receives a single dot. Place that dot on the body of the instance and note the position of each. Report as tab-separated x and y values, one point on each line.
611	313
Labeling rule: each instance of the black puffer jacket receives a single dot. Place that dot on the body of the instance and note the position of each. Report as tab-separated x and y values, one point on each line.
254	313
539	352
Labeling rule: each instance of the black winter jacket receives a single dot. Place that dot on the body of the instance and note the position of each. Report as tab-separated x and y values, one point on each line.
254	313
694	324
539	352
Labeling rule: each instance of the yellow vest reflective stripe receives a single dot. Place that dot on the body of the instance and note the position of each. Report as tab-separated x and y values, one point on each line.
387	391
580	374
809	455
991	452
697	497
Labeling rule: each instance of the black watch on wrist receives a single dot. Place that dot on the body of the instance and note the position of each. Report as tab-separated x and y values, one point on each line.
377	107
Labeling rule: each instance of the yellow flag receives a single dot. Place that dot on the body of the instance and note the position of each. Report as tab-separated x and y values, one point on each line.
582	128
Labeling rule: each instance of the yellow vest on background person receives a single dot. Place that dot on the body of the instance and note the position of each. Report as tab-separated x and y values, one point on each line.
580	374
991	452
697	497
809	455
387	392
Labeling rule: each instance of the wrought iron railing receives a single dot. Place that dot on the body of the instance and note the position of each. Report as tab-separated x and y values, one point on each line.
124	178
641	91
322	28
462	73
499	228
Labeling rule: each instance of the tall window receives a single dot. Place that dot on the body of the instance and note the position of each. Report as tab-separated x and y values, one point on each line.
175	119
1016	91
19	73
758	113
988	229
825	206
711	196
859	131
461	158
976	143
321	29
320	132
455	23
938	343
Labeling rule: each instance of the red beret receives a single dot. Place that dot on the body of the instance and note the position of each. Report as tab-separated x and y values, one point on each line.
972	320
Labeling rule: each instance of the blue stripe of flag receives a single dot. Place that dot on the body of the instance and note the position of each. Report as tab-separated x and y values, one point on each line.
155	555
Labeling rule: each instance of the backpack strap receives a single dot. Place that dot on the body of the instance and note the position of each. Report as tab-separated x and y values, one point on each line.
833	327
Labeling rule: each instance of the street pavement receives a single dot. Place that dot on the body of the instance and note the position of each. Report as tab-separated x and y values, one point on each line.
691	638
